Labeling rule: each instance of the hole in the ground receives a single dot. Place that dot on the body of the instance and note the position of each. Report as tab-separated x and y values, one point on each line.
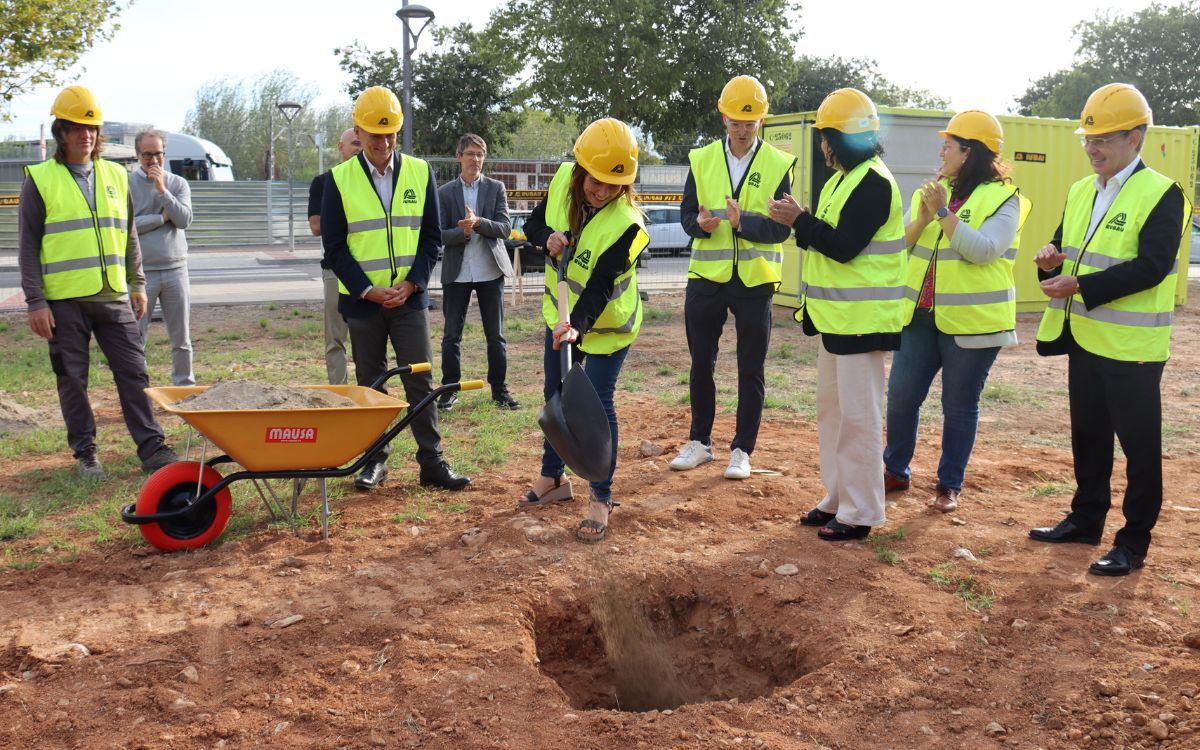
637	647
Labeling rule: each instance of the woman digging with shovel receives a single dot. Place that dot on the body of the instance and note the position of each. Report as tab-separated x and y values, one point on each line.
593	232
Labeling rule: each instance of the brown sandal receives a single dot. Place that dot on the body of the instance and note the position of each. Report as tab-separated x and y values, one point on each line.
560	492
591	531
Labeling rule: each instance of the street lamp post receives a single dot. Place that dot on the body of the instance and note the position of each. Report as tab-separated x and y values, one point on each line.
289	110
407	14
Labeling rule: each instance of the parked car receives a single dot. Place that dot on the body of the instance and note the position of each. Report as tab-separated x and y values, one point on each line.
532	259
667	237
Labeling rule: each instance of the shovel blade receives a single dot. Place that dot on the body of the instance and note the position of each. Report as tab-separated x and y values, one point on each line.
575	425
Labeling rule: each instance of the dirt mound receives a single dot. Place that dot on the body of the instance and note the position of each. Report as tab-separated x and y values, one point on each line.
15	418
247	394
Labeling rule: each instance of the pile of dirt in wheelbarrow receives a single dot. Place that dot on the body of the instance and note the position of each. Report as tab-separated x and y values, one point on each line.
247	394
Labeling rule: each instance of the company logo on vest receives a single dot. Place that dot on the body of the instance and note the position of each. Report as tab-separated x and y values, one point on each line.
584	258
965	215
410	195
755	179
1116	223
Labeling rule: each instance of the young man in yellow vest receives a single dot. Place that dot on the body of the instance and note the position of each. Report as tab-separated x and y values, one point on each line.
81	271
1110	275
735	268
380	230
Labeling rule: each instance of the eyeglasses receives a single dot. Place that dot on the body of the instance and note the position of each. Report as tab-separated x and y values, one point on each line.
475	155
1101	140
151	155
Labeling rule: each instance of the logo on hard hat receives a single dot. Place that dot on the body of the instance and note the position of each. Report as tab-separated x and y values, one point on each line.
1089	120
619	169
383	121
410	196
747	108
90	113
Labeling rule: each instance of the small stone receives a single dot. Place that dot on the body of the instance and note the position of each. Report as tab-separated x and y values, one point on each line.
1192	639
377	740
1167	718
957	521
650	449
1119	631
921	703
188	674
182	703
350	667
1187	690
962	553
943	671
811	708
902	629
667	712
1019	624
416	612
287	622
174	574
762	571
787	569
1157	729
244	619
1106	689
926	730
472	537
415	531
1133	702
124	683
994	730
570	717
292	562
7	688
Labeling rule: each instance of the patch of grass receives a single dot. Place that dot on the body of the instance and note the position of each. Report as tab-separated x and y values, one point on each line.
657	316
414	512
977	595
1049	489
272	307
881	545
456	507
1005	394
263	323
664	371
19	527
633	380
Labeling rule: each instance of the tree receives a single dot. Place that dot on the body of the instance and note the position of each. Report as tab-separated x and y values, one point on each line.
539	136
812	78
41	39
241	118
659	65
1153	48
463	87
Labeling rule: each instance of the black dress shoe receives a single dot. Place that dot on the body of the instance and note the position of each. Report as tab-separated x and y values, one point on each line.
1120	561
1065	531
441	475
446	401
504	400
371	476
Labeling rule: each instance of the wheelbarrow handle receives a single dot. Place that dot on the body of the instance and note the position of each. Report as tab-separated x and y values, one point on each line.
401	370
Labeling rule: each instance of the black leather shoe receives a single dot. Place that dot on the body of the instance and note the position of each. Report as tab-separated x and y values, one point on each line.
371	476
1120	561
441	475
446	401
1065	531
504	400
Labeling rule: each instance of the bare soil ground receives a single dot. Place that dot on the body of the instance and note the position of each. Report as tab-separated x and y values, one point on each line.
489	628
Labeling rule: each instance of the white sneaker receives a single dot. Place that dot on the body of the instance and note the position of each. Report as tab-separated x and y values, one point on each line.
692	455
739	465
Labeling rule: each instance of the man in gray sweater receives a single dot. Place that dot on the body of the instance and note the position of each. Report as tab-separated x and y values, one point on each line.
162	206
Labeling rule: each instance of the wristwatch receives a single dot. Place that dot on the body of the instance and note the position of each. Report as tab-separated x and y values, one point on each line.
942	213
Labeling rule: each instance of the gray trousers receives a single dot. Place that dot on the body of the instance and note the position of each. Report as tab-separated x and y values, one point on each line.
408	330
116	332
169	288
335	331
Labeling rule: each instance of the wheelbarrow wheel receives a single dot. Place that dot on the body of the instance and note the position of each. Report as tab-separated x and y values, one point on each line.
173	487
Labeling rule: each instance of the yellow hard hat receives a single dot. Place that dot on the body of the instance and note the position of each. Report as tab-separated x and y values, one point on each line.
848	110
608	151
378	111
743	98
76	103
976	125
1112	108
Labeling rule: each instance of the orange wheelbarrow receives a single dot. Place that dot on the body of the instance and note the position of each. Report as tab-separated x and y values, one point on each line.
187	504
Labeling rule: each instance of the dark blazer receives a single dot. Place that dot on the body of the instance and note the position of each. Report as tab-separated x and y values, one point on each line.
494	225
337	252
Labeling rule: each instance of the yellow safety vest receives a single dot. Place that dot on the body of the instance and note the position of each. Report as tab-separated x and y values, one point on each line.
968	298
383	242
715	257
1134	328
619	322
865	295
82	248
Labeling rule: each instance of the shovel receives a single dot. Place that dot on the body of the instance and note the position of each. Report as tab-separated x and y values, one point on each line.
573	420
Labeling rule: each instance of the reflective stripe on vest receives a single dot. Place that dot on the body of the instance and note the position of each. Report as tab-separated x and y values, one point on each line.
82	249
1134	328
621	319
866	295
383	243
715	257
968	298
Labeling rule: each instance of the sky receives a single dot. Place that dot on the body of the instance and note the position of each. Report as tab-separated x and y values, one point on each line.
166	49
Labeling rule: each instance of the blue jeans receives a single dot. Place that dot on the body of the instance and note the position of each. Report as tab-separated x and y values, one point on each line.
923	351
602	370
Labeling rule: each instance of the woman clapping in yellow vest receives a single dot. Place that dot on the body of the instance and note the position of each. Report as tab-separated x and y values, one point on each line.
963	233
590	221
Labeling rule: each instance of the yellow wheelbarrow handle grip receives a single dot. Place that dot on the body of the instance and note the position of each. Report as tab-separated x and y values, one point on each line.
471	385
420	367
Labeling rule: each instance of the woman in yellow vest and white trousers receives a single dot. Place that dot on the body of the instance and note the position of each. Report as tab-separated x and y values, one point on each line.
853	296
590	221
963	232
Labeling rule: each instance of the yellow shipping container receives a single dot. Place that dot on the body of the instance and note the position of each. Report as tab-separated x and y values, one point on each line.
1046	159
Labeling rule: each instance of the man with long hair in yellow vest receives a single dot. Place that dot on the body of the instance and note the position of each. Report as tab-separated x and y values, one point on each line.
381	233
81	271
590	222
1110	273
737	256
853	297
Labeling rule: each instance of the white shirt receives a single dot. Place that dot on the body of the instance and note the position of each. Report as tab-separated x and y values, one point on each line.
478	264
1107	193
383	181
738	167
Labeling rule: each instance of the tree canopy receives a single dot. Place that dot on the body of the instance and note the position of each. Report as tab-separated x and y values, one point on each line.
1153	49
41	39
812	78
